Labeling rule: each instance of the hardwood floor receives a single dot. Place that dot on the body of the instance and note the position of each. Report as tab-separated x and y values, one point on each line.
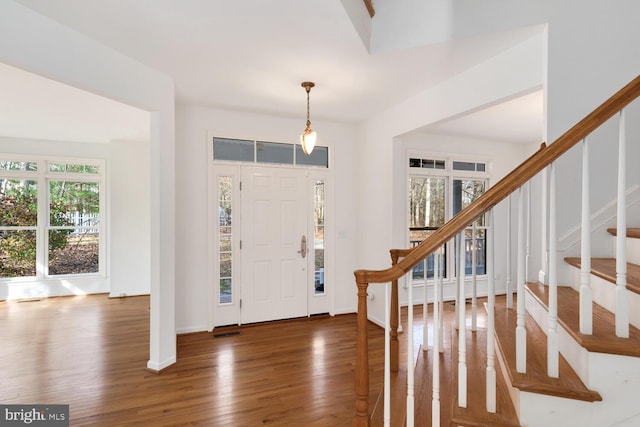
91	352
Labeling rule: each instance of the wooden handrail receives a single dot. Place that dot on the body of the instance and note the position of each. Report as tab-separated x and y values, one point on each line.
494	195
370	9
503	188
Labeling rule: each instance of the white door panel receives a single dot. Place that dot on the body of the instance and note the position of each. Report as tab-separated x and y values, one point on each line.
274	219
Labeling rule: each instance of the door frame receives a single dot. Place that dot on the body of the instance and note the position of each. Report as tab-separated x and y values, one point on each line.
229	314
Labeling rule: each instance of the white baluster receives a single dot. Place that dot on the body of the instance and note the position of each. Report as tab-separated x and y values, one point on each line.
387	355
552	332
462	331
474	292
586	311
441	301
435	401
410	361
491	352
521	333
528	232
456	320
509	284
425	309
622	307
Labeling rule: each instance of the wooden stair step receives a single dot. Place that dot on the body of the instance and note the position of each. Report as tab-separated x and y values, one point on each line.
536	380
631	232
605	268
475	414
603	339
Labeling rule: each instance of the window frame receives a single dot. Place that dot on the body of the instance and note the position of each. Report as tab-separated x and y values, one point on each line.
43	177
449	174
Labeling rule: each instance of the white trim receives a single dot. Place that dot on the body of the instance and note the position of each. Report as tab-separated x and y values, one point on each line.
599	220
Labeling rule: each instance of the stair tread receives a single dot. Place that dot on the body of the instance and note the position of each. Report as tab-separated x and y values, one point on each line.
603	339
536	380
475	414
605	268
631	232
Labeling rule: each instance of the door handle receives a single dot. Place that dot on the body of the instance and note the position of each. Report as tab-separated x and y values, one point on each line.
303	247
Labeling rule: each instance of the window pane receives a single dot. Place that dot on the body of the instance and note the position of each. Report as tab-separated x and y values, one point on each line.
74	204
73	251
73	168
464	166
18	166
17	253
271	152
465	191
426	214
18	203
233	149
225	250
318	157
318	239
426	202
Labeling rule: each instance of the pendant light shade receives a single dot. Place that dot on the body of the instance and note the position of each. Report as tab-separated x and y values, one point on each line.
308	137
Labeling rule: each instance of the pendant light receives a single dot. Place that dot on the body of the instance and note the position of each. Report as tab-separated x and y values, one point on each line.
308	137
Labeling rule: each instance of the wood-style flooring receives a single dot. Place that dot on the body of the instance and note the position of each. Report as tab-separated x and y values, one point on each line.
91	352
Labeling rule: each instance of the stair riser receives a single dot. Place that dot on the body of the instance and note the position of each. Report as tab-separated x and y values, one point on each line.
633	250
575	354
604	294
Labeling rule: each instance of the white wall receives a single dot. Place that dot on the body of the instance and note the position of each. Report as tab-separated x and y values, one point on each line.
192	263
130	226
40	45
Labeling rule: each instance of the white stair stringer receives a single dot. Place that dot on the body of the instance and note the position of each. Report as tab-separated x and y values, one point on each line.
616	378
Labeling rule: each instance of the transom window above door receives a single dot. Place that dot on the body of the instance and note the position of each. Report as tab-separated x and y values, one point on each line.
250	151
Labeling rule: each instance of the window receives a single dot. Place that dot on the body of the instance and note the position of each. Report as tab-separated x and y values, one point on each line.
225	284
50	218
249	151
438	190
318	241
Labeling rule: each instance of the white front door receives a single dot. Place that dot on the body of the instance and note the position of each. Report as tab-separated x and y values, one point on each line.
275	268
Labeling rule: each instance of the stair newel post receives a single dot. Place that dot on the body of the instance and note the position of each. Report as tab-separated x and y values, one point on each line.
462	328
491	351
509	284
622	306
393	333
435	401
552	333
521	333
387	356
361	416
474	299
410	361
586	311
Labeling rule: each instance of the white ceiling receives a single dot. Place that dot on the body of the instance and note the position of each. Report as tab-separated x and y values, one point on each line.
252	55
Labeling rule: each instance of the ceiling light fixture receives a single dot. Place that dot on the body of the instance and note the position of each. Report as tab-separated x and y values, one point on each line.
308	137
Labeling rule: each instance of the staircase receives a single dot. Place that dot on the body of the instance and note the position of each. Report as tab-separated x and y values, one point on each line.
562	355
